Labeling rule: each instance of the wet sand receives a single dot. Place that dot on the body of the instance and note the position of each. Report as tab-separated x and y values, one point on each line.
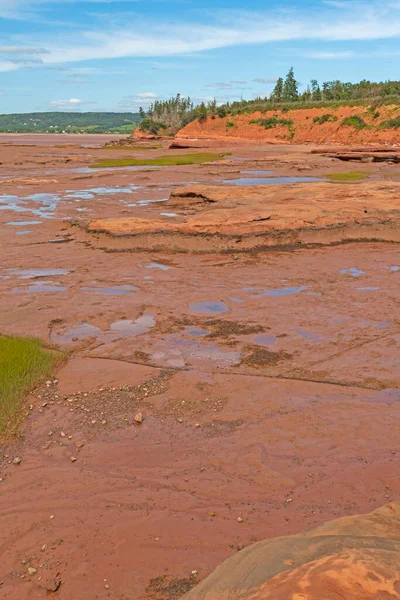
268	381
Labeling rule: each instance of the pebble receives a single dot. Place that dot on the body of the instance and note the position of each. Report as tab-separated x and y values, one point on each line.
31	571
51	516
197	425
107	586
63	434
44	548
240	520
138	418
180	420
17	460
73	459
194	572
52	584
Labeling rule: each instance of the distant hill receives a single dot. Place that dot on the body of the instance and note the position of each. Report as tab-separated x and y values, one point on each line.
68	122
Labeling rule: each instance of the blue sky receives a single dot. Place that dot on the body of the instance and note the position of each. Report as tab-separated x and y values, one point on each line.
119	54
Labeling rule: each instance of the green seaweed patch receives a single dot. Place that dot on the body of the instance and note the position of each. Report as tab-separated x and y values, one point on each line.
24	363
347	177
161	161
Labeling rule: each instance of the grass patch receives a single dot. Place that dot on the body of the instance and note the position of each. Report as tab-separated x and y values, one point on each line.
391	123
161	161
354	121
23	364
272	122
230	124
326	118
127	147
347	177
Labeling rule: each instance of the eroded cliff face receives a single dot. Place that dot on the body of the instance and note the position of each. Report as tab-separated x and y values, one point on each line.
353	558
316	125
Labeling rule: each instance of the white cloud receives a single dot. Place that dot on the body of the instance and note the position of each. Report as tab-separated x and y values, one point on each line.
335	21
21	50
263	80
146	96
72	103
6	65
329	55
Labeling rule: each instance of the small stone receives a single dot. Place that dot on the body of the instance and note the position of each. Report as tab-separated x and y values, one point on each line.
107	586
93	422
180	420
289	500
73	459
31	571
235	258
44	404
63	434
213	514
44	548
194	572
75	339
138	418
52	584
197	425
51	517
104	422
17	460
240	520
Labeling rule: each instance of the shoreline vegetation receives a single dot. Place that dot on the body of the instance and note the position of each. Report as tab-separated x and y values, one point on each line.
24	363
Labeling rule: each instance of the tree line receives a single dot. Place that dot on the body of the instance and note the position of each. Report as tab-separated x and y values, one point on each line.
287	90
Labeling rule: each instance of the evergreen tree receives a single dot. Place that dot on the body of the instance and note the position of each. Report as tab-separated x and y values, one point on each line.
277	92
290	87
202	113
315	90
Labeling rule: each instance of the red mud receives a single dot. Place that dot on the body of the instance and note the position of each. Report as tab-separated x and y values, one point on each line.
269	382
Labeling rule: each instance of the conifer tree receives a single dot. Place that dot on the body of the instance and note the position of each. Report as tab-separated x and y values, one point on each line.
290	87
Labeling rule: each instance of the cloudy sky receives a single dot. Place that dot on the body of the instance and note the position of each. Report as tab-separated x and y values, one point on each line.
120	54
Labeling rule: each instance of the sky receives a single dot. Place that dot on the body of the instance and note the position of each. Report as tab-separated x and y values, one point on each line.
117	55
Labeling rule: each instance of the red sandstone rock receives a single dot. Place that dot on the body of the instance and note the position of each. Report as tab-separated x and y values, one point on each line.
353	558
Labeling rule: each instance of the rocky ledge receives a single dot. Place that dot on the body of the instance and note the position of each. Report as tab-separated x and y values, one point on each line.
239	218
352	558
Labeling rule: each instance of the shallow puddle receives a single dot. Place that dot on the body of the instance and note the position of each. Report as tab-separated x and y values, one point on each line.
79	332
308	335
117	290
179	353
353	272
33	273
100	191
37	288
155	265
196	332
269	180
42	205
127	328
264	340
209	307
23	223
281	292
